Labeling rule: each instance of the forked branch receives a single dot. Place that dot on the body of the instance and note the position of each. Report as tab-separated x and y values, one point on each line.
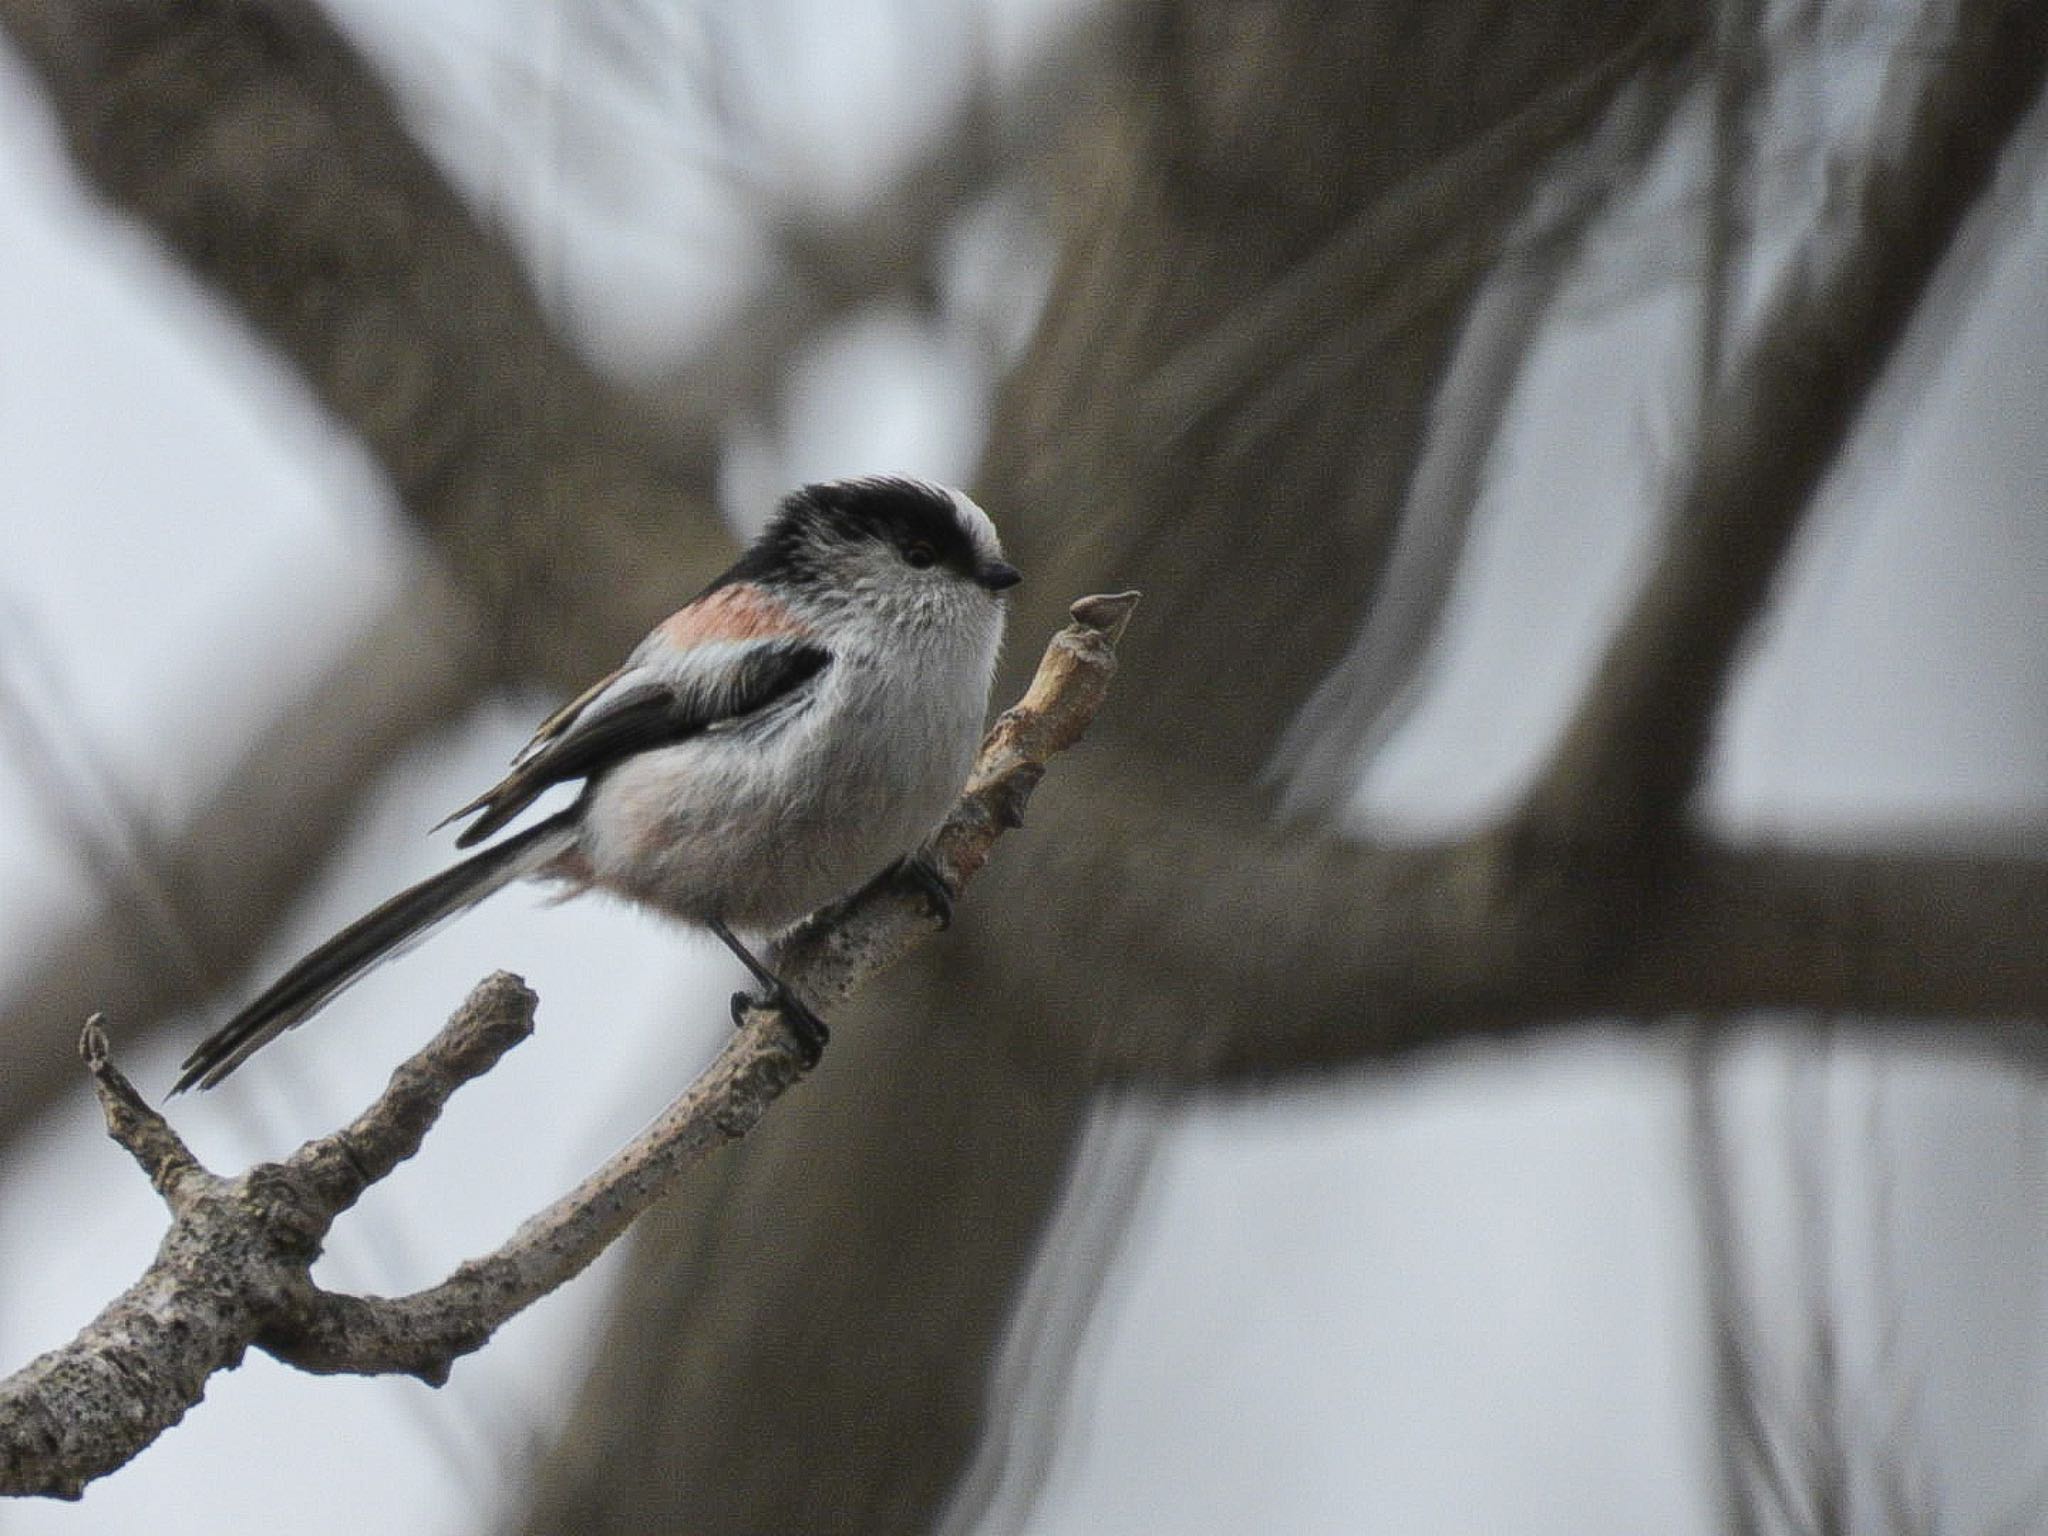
235	1267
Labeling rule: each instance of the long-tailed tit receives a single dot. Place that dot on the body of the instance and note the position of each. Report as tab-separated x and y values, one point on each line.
801	724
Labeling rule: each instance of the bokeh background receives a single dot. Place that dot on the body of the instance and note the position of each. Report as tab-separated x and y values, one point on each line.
372	374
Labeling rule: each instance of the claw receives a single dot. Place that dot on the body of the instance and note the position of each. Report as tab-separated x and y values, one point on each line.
810	1030
917	869
1011	797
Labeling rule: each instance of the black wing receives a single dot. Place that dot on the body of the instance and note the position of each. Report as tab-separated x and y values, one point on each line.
657	713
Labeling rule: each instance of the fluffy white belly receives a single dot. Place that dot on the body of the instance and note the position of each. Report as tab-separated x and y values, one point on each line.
758	828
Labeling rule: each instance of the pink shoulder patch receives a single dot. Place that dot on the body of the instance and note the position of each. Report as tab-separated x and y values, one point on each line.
738	612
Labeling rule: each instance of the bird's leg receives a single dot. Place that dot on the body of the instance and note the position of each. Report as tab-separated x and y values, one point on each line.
810	1031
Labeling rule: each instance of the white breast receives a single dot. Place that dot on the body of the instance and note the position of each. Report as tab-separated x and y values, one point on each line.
758	825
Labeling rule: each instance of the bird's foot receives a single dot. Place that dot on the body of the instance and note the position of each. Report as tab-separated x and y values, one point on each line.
918	870
809	1030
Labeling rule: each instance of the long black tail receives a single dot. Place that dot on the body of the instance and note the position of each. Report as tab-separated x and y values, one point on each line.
405	918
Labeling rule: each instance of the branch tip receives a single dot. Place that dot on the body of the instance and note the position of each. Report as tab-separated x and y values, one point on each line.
1106	612
93	1048
133	1123
497	1014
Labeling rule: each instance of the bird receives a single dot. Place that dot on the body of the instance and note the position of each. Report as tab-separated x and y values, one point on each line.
801	725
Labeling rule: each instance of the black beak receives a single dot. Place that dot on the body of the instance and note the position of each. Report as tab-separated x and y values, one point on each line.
998	576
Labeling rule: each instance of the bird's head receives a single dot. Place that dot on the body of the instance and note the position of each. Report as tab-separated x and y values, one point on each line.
907	550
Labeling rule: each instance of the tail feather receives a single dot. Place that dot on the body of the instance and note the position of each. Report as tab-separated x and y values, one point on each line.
367	942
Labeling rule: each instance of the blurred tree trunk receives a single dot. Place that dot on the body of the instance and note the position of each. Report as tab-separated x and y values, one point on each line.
1272	234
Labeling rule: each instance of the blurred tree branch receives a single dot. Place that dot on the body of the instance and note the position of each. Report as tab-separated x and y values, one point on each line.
827	263
1362	701
235	1269
1593	898
1954	99
1414	948
227	877
254	141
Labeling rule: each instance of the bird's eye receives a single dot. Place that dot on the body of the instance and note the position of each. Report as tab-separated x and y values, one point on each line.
921	556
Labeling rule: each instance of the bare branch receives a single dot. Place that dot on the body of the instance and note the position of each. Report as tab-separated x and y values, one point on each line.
147	1135
237	1255
497	1015
425	1333
235	1267
1630	759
